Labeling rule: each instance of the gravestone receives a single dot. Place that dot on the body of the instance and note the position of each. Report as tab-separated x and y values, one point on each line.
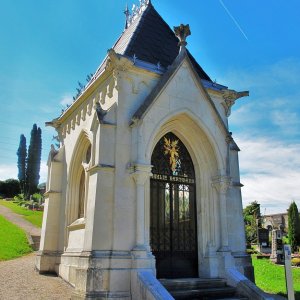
277	247
263	240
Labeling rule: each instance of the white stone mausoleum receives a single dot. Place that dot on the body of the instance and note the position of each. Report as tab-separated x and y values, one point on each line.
145	184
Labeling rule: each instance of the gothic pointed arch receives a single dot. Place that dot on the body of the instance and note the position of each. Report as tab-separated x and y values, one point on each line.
78	178
173	219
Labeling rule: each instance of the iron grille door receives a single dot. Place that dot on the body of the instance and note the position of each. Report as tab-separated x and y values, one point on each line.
173	234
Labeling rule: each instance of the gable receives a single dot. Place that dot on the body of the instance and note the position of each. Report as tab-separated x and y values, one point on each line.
180	87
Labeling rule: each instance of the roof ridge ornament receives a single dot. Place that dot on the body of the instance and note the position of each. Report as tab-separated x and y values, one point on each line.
136	11
127	14
182	32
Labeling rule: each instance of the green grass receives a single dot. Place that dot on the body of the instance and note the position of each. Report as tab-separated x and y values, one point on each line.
13	241
271	278
34	217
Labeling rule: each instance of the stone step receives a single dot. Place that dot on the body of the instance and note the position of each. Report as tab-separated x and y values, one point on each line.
192	283
200	289
36	242
203	293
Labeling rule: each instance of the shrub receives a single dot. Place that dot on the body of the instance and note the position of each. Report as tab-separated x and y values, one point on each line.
251	251
36	197
296	262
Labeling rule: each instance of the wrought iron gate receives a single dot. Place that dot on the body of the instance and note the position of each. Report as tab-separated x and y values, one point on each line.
173	232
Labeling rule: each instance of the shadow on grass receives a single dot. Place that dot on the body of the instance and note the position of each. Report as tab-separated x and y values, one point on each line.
297	295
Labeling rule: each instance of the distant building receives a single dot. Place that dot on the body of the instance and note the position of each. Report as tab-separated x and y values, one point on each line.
276	221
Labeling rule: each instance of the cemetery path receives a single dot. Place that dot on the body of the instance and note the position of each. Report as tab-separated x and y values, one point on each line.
20	281
20	221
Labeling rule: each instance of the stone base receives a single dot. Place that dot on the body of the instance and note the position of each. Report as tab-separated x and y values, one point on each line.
243	264
103	274
47	262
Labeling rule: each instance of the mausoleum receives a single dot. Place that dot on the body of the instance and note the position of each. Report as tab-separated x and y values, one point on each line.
145	184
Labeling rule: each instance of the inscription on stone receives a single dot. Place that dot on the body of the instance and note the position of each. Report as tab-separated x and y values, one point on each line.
173	178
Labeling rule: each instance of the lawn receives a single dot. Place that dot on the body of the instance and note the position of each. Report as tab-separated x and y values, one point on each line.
271	278
34	217
13	241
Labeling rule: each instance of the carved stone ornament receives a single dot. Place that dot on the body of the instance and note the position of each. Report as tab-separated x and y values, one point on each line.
230	96
182	32
100	112
140	173
117	62
221	183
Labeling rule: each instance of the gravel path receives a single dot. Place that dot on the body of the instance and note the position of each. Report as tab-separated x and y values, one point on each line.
19	220
18	278
20	281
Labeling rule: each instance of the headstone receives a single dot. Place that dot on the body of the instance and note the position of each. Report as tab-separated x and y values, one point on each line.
277	247
263	240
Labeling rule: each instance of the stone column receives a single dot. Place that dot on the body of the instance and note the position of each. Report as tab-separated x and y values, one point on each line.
222	183
141	173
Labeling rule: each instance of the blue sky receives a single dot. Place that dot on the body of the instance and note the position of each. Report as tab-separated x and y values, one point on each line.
47	46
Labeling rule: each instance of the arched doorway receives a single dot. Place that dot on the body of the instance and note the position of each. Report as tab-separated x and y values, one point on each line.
173	228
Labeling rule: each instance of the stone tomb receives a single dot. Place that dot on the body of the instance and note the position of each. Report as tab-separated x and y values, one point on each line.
146	178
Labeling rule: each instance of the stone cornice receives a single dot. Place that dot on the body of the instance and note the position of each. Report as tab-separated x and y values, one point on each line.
98	167
49	192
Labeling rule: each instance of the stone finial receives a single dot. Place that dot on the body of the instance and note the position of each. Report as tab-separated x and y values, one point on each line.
182	32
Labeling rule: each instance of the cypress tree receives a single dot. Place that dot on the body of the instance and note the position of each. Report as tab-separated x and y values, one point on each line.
294	224
21	153
33	161
38	155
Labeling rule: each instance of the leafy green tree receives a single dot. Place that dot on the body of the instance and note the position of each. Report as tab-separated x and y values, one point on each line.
252	221
294	226
22	151
33	161
10	187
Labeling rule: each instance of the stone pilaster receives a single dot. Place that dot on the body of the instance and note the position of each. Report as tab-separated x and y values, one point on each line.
141	173
221	184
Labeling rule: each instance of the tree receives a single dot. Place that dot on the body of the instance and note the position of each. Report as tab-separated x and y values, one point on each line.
294	226
33	161
22	162
10	187
252	221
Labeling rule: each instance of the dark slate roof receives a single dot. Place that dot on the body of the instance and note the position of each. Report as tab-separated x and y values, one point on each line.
151	39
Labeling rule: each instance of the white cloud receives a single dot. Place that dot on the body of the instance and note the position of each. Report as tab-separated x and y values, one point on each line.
270	172
281	75
288	121
43	171
11	171
8	171
67	99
